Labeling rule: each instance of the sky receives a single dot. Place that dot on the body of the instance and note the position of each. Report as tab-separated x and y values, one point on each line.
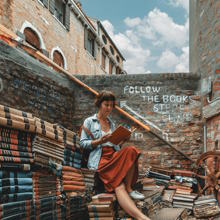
152	35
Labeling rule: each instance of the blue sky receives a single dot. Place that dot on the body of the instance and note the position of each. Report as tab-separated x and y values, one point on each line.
153	35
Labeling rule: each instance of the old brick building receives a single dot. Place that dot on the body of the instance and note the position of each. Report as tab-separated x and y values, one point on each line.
62	31
205	59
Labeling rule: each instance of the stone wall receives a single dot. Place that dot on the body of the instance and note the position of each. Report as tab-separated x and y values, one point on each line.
170	102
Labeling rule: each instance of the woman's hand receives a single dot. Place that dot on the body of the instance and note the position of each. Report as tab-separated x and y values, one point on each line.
105	138
101	140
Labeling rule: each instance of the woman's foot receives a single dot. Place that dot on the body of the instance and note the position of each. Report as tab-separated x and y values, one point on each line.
136	195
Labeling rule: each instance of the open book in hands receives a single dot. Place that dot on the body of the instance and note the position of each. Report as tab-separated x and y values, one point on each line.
120	134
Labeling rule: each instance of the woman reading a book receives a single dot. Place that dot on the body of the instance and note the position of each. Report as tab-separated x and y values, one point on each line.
117	168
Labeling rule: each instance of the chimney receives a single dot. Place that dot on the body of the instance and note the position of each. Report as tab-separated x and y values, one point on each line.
79	4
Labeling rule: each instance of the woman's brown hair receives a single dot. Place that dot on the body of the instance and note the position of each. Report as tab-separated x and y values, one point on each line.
105	95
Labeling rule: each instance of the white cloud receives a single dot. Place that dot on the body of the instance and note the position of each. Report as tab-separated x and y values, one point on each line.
169	61
132	22
161	28
109	27
181	3
156	30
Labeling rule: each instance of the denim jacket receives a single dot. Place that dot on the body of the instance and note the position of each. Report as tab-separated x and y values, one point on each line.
92	123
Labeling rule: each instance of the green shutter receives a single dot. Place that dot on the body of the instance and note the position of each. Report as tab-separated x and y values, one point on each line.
86	38
67	17
95	49
52	6
45	2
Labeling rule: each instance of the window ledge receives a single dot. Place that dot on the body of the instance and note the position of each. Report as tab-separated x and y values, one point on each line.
59	22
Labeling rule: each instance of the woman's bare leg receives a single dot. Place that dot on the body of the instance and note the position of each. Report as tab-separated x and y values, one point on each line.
127	203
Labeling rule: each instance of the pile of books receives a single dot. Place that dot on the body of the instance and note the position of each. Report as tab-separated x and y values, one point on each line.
72	156
183	200
167	198
45	185
75	207
72	180
153	200
15	186
48	208
48	130
160	178
15	148
89	178
102	206
13	118
46	149
206	206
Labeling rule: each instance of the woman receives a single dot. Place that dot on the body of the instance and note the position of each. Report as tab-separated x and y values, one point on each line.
118	169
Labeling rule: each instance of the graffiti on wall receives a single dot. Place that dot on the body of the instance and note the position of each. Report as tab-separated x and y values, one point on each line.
170	106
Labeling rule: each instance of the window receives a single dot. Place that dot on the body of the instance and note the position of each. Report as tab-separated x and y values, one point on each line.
32	38
104	39
61	11
118	59
103	59
110	66
58	58
112	50
90	42
118	71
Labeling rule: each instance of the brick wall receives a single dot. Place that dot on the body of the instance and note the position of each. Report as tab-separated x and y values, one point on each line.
205	57
171	102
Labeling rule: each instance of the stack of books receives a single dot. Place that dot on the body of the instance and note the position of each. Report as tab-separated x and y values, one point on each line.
48	130
102	207
15	148
75	207
46	149
153	199
13	118
48	208
183	200
72	156
45	185
206	206
15	186
160	179
18	210
149	184
89	178
167	198
72	180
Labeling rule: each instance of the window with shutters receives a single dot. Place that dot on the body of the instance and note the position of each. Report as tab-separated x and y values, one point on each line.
32	38
61	11
103	59
118	71
110	66
90	42
58	58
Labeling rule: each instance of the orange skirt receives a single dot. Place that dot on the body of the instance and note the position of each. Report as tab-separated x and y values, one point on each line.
114	166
